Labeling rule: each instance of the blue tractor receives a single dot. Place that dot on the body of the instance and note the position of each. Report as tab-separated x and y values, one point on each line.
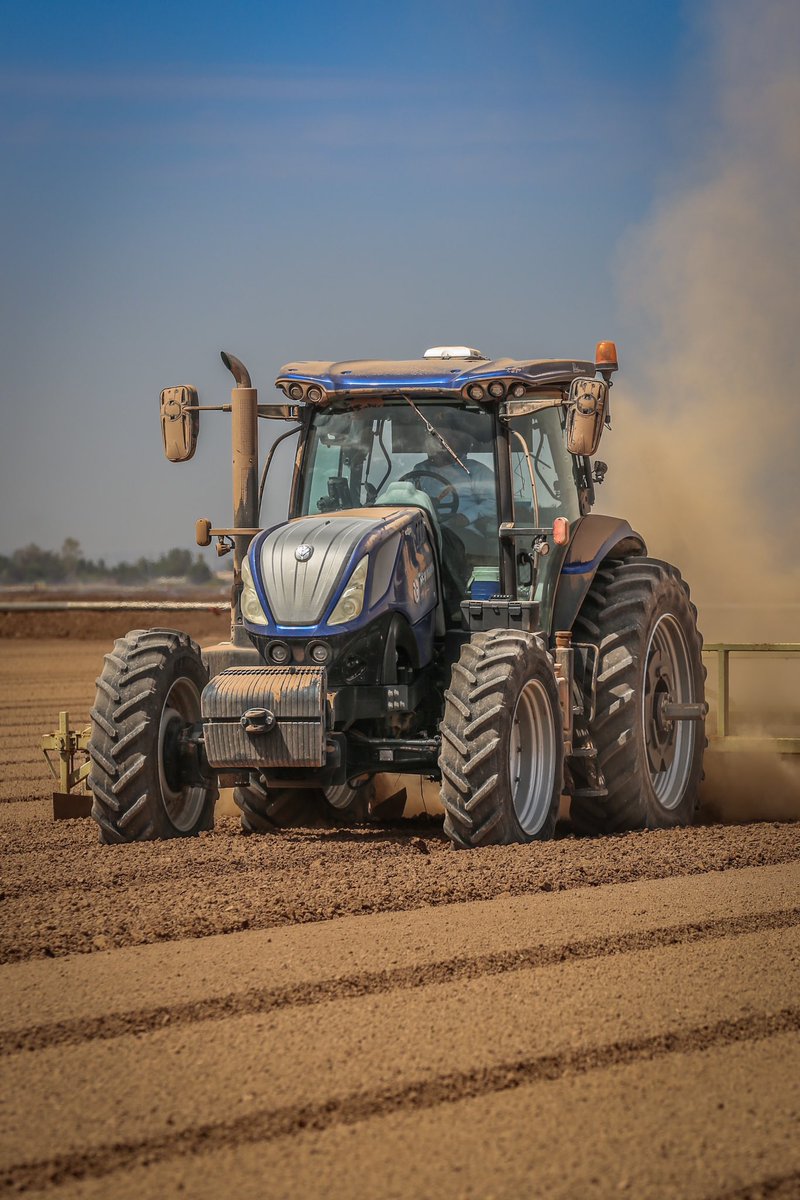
442	603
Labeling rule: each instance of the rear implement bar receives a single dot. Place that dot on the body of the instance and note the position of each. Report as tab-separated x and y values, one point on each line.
724	739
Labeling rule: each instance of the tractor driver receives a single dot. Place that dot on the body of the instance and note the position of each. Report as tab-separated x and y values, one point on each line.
461	497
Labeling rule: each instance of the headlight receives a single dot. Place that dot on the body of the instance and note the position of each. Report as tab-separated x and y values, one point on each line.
251	605
351	600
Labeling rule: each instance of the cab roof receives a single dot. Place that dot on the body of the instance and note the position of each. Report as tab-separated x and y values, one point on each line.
422	375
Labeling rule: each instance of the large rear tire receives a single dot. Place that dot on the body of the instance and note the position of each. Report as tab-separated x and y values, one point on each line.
352	802
267	809
639	616
502	746
149	691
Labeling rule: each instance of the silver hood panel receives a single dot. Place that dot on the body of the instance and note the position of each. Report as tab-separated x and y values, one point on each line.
298	593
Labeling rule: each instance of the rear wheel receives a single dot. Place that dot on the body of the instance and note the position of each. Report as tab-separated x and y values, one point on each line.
147	696
352	801
502	747
639	616
266	809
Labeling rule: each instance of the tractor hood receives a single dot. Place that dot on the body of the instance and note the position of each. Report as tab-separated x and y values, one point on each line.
301	569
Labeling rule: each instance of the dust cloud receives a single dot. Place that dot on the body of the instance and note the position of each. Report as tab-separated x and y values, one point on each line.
705	445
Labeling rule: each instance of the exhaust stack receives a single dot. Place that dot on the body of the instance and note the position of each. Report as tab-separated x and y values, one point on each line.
244	446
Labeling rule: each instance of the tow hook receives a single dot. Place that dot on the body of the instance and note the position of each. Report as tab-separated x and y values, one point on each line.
258	720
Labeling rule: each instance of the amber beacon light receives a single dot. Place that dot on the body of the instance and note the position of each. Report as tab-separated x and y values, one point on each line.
605	356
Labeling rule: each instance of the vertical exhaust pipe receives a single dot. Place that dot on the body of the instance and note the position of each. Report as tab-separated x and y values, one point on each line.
244	446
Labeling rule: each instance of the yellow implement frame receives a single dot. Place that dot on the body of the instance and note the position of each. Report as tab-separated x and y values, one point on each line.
68	743
724	739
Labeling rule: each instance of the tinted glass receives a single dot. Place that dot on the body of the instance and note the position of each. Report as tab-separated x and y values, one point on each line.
383	453
552	492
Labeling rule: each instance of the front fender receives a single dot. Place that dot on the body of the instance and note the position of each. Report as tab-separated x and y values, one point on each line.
594	538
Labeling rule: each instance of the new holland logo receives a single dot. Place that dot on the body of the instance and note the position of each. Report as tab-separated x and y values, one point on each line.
420	581
303	553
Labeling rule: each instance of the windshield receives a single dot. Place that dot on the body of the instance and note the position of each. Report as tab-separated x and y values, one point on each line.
383	454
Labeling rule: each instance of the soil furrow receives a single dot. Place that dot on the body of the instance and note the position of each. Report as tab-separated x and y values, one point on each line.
223	882
266	1125
286	958
773	1187
264	1000
75	1099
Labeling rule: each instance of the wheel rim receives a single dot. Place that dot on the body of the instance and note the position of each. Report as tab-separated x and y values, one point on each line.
669	745
532	756
183	803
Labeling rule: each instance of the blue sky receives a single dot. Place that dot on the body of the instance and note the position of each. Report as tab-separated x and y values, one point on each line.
309	180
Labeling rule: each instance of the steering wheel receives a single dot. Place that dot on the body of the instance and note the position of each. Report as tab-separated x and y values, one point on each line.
446	501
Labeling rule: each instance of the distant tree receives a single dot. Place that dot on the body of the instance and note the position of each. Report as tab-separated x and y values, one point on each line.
200	572
176	563
32	564
71	555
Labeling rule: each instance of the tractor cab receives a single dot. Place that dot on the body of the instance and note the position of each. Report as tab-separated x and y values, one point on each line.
478	445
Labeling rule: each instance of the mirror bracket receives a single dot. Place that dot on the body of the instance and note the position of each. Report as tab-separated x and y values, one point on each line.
523	408
279	412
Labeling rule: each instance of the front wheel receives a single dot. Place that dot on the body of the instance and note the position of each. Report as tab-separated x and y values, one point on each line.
147	696
502	747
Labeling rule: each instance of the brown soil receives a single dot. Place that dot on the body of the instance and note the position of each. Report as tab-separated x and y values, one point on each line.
80	625
361	1012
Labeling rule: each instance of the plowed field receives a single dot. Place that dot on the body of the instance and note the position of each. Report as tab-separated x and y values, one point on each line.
365	1012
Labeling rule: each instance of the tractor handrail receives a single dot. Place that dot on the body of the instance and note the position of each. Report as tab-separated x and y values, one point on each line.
723	650
758	647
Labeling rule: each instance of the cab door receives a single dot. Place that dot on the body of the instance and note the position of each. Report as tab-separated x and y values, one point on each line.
543	487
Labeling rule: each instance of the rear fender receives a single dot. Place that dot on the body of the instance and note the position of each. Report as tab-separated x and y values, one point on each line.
594	538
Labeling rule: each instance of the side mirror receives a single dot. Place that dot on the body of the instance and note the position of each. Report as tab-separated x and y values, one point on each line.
180	422
586	413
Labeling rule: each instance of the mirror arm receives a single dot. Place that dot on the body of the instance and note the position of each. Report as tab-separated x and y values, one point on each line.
266	412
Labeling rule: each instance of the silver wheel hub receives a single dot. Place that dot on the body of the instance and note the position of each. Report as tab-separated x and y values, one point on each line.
532	756
668	680
183	802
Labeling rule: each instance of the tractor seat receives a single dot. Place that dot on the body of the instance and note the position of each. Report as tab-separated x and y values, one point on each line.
402	492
